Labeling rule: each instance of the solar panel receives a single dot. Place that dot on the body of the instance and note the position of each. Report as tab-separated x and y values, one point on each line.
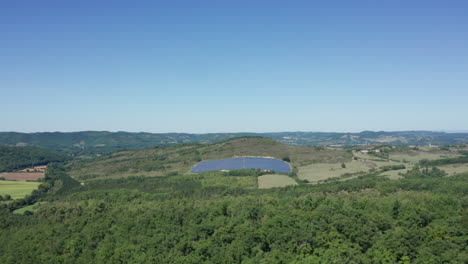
242	163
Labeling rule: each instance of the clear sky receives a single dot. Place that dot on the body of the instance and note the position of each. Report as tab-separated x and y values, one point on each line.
230	66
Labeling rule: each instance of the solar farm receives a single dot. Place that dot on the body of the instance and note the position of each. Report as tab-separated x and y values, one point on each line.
260	163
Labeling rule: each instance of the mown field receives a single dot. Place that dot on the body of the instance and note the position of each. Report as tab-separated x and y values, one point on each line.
17	189
275	180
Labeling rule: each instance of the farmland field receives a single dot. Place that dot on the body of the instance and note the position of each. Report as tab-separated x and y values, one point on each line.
322	171
415	157
454	168
275	180
17	189
22	176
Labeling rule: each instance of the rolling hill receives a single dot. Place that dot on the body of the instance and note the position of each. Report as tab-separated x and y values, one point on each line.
178	159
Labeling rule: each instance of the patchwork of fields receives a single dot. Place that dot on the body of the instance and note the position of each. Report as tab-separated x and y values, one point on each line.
363	163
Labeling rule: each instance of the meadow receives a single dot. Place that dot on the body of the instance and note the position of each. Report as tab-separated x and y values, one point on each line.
275	180
17	189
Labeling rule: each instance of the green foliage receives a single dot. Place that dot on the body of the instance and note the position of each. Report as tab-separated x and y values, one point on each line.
425	172
16	158
247	172
447	161
392	167
215	218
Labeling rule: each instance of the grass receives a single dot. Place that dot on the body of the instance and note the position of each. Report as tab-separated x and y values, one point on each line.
30	208
17	189
275	180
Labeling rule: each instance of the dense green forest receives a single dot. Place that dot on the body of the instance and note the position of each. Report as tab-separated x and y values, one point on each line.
15	158
221	218
99	142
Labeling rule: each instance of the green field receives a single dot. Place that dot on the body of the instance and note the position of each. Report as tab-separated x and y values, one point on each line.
275	180
17	189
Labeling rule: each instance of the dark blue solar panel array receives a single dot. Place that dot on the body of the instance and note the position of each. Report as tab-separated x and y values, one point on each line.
243	163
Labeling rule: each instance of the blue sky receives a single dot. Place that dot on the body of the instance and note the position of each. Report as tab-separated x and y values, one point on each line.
230	66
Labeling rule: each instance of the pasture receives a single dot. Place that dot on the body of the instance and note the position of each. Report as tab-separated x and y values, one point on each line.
275	180
17	189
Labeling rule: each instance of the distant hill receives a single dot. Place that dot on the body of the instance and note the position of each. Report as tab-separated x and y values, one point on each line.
104	142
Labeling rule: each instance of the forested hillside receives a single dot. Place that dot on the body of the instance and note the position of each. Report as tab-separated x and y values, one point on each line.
15	158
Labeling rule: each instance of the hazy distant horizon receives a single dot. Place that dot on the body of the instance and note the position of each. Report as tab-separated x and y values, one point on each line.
236	132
